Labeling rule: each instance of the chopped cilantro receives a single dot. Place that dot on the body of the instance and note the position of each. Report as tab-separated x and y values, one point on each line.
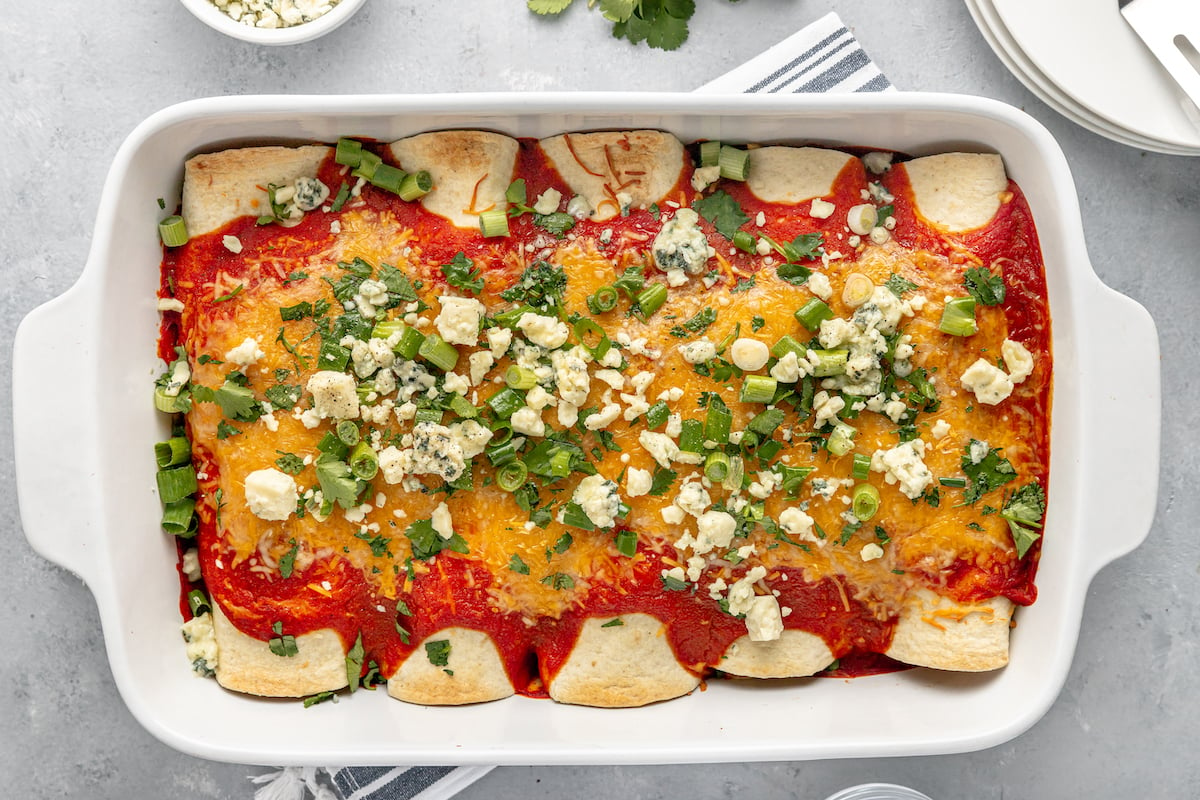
462	274
1023	510
287	561
662	481
992	472
616	622
540	285
556	224
378	543
899	285
698	323
282	644
427	543
720	209
337	482
518	565
225	430
672	584
986	288
559	581
438	652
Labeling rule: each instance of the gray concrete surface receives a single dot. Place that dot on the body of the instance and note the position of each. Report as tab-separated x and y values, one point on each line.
75	78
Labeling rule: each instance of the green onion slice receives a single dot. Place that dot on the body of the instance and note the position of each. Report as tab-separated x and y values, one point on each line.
716	466
438	352
177	517
862	467
364	463
841	441
493	223
586	331
604	299
512	476
627	543
388	178
409	344
958	317
734	163
758	389
650	300
516	377
812	313
176	483
173	452
198	602
829	362
864	501
349	152
173	231
710	154
414	185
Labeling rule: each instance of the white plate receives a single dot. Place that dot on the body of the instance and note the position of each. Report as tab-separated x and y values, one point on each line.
1010	54
97	514
1086	48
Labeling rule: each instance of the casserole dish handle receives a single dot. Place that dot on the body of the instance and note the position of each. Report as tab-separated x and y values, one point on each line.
1121	460
54	444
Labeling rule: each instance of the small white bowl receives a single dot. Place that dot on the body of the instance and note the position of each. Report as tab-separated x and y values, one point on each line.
215	18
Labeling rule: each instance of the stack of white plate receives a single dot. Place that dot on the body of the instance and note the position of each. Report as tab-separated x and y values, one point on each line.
1084	61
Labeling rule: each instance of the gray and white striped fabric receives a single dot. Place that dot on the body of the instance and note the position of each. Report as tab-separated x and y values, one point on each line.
822	57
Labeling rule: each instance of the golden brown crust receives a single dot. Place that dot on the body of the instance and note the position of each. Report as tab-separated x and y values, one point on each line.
246	664
473	672
957	191
935	631
221	187
625	665
471	171
794	174
600	167
794	654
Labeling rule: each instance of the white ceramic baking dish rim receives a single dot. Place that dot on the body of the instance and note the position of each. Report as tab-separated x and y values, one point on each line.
97	514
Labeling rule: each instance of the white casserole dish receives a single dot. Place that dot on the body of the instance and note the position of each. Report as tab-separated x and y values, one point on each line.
97	514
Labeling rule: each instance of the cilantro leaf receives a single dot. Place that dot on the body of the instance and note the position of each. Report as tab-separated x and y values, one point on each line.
697	324
427	543
225	430
673	584
237	402
616	622
337	482
290	463
617	10
518	565
548	6
541	285
462	274
283	395
1023	510
438	652
722	211
899	285
556	223
378	543
354	663
662	481
986	288
559	581
287	562
991	472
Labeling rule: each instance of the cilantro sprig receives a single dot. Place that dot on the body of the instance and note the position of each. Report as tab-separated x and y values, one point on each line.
1024	509
662	24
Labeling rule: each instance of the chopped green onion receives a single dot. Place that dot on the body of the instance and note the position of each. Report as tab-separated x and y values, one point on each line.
414	185
173	231
409	344
388	178
657	415
177	517
737	471
758	389
958	317
441	354
650	300
586	328
462	406
765	423
510	318
176	483
829	362
864	501
512	475
719	421
841	441
493	223
171	404
364	462
506	402
368	162
602	300
386	329
710	154
716	466
198	602
788	344
734	163
173	452
627	543
744	241
331	444
349	152
347	432
812	313
332	356
516	377
862	467
631	281
502	453
691	436
433	415
574	516
953	483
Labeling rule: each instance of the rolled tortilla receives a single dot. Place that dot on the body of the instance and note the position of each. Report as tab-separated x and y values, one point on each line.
220	187
795	654
625	665
794	174
246	664
473	672
645	165
935	631
471	171
957	192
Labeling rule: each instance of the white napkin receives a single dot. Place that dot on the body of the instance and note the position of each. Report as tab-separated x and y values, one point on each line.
821	57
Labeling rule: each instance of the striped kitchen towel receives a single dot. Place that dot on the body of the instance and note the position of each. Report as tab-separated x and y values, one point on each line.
822	57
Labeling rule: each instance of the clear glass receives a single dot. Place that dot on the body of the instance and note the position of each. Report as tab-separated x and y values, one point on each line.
878	791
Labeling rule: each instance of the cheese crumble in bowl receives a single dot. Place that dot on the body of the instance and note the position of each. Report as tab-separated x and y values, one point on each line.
273	22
